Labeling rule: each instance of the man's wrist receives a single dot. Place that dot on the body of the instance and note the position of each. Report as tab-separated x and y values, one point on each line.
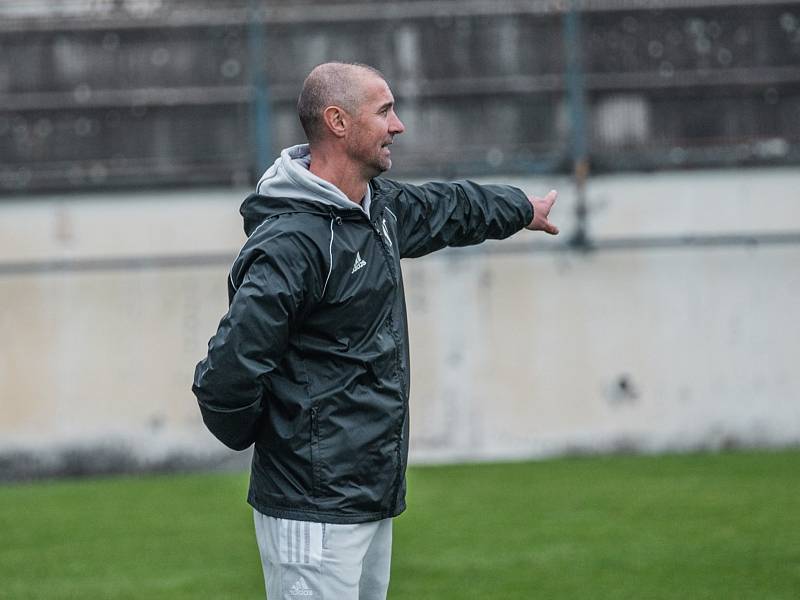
533	214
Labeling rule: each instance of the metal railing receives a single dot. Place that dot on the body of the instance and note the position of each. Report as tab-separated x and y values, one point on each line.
176	92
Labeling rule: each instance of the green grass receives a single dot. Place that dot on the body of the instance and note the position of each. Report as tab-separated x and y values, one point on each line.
697	526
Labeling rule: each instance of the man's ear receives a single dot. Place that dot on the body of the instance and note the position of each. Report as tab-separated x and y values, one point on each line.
336	120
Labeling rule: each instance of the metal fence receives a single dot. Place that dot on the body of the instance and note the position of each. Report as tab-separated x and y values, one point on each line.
106	93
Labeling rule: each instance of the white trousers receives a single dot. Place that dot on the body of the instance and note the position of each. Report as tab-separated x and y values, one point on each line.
322	561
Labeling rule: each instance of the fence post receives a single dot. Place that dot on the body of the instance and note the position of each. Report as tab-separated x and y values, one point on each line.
576	102
261	142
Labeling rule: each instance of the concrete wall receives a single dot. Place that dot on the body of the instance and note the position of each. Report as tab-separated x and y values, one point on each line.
518	348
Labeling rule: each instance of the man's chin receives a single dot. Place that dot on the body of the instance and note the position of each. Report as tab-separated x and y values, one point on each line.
380	166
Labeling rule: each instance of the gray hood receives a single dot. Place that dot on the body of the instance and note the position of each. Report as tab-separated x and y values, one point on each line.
289	177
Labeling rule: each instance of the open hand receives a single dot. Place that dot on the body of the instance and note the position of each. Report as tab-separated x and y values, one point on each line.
541	210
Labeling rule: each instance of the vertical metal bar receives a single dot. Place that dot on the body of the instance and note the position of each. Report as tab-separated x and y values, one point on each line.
576	101
261	142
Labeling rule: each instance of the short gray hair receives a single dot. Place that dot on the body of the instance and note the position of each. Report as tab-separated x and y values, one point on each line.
328	84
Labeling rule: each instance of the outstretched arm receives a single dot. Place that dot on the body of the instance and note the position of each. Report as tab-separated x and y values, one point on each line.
462	213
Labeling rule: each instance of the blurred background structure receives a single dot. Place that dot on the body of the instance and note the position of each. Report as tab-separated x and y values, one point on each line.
98	93
665	318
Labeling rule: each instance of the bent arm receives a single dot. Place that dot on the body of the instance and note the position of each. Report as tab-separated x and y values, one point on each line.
232	382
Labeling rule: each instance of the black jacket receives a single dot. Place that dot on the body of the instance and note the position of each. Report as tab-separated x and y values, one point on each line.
311	361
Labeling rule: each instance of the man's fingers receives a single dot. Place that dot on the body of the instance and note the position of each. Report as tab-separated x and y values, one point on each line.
541	210
548	201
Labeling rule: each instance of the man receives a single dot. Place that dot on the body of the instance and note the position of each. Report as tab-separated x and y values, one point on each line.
311	362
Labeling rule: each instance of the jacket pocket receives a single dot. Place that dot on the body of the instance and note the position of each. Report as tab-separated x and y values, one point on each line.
316	465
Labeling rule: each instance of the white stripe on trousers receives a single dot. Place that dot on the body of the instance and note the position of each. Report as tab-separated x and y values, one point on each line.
297	548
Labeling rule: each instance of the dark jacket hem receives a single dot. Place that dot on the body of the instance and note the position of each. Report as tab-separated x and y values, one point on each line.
319	516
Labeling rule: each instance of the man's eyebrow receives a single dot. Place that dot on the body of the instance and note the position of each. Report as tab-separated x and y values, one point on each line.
386	105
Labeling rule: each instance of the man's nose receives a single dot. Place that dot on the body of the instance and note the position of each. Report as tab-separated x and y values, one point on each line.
396	125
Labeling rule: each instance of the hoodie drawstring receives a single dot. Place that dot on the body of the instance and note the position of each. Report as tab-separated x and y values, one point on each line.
338	221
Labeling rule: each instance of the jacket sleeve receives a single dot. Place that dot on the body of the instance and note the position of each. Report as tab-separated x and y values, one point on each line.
462	213
232	382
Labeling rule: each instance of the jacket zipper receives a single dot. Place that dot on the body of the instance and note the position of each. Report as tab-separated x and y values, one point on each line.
389	258
315	456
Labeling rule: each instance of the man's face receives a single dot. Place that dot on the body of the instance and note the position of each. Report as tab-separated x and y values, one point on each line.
373	128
